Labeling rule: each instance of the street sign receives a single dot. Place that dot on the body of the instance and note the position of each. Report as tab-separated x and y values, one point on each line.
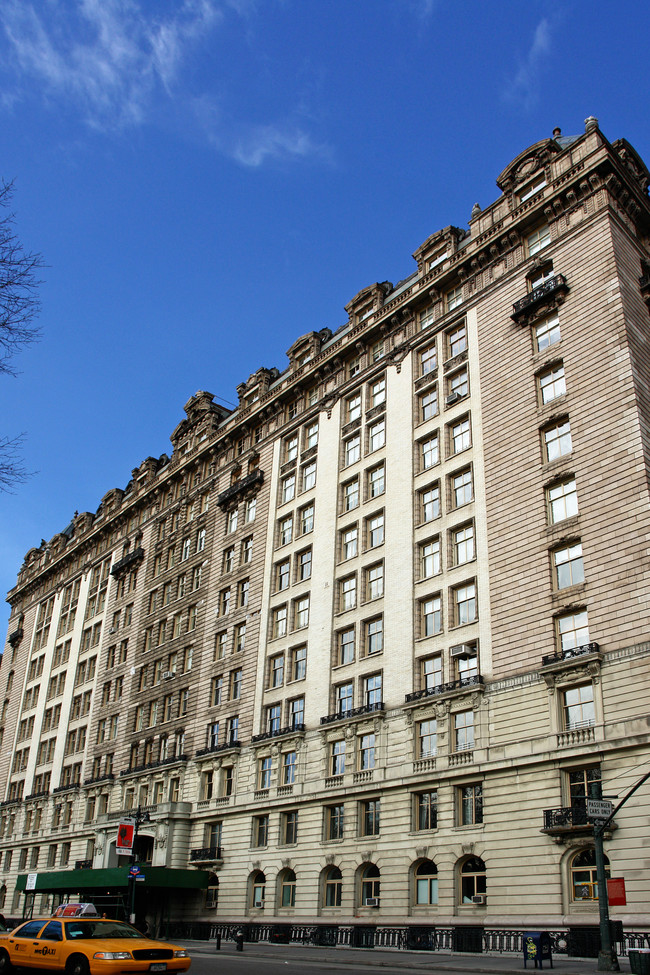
616	892
599	808
134	870
30	883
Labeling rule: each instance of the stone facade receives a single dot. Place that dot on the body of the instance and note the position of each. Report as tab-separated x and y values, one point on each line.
362	647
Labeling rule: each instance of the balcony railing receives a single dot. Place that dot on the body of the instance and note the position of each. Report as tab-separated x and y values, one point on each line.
556	658
125	563
107	777
353	713
206	854
555	285
67	788
212	749
278	732
255	479
452	685
568	817
153	765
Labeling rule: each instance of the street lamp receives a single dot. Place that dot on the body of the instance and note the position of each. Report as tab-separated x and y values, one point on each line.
138	818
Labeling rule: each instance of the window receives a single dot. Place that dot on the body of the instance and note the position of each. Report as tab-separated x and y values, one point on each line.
376	435
349	539
551	383
372	691
261	835
547	332
240	637
288	768
557	440
431	672
346	646
276	671
290	448
538	240
348	593
456	340
375	530
376	349
464	604
227	565
370	885
216	696
425	879
370	810
454	298
353	407
285	530
288	878
429	499
426	317
460	436
301	613
578	707
427	738
562	501
568	569
374	635
426	810
375	581
236	679
247	550
264	773
309	476
428	405
472	880
249	512
584	879
334	824
428	360
429	557
463	544
351	495
304	565
307	519
352	449
344	698
470	799
279	618
282	575
376	481
462	488
429	454
366	752
354	367
297	713
273	718
337	757
378	392
288	489
537	184
298	663
464	731
431	616
333	886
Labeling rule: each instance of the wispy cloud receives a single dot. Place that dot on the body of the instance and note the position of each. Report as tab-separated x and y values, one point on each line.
524	89
112	62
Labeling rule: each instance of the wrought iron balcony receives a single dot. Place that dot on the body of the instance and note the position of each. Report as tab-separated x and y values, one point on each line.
352	713
206	854
107	777
255	479
452	685
153	765
37	795
212	749
67	788
567	818
555	287
557	658
130	559
278	732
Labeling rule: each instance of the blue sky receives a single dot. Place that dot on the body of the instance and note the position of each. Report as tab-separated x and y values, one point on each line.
209	179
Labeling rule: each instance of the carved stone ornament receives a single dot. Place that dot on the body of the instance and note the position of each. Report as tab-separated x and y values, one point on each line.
468	848
330	859
286	863
422	852
161	835
100	839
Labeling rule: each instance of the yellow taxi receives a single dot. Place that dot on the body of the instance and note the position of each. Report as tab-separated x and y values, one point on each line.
87	946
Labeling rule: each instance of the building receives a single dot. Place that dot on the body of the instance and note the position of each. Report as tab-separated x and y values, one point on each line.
360	649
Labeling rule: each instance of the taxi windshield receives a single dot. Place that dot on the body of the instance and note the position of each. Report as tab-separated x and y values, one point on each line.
79	928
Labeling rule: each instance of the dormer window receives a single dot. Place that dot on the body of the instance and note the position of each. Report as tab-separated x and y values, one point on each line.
532	188
438	258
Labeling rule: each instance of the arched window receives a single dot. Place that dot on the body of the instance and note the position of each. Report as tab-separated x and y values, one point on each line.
258	889
584	884
472	879
425	878
370	885
333	886
287	888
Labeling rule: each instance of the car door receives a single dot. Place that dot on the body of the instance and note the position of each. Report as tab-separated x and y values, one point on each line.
22	942
50	947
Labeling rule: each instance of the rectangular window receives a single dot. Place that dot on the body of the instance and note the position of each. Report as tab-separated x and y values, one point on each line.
568	569
370	817
426	317
375	530
428	405
366	752
429	454
290	827
375	581
236	679
572	630
353	407
431	670
304	565
307	519
279	618
428	360
547	332
282	575
346	646
334	822
351	495
376	481
349	540
538	240
426	810
462	540
249	511
460	436
552	383
309	476
429	503
372	691
464	604
431	616
562	501
264	773
348	593
276	671
557	440
427	738
285	530
301	613
290	448
344	698
337	757
297	713
288	768
578	707
247	550
456	340
470	801
352	450
429	553
463	731
454	298
260	831
273	718
377	392
376	435
298	663
462	489
228	560
374	630
288	489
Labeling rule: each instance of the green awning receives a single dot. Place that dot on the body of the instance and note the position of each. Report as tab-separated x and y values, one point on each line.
113	879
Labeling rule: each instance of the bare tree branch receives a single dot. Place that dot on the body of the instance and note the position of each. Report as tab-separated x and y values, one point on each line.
12	468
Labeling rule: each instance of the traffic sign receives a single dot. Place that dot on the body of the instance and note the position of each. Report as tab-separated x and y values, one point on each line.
134	870
599	808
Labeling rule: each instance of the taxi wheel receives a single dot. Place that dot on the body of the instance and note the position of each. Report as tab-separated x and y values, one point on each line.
5	963
77	965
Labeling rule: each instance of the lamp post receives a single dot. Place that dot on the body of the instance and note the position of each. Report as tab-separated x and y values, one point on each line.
139	817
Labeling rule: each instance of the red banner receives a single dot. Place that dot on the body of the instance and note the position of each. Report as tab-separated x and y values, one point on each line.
616	892
124	841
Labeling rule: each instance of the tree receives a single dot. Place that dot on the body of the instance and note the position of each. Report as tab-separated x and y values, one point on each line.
19	306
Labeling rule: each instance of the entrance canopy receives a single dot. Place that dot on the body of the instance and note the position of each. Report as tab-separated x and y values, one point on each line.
113	879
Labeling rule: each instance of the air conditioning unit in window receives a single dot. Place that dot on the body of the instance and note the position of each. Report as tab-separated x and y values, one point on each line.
453	398
168	674
479	899
462	650
372	902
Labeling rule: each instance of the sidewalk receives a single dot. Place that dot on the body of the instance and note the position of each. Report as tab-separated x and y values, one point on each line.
491	964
